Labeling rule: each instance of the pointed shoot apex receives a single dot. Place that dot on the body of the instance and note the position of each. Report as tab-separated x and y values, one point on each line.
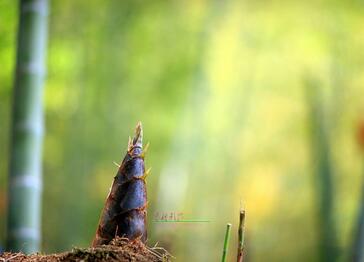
138	138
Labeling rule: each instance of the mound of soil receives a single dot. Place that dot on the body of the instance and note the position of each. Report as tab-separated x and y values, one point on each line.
120	249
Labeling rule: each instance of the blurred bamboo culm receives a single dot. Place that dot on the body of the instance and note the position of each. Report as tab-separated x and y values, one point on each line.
240	257
322	172
358	245
226	242
25	179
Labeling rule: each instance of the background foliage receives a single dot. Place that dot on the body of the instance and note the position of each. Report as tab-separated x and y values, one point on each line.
221	90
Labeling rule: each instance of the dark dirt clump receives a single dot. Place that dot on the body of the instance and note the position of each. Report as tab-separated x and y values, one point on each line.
120	249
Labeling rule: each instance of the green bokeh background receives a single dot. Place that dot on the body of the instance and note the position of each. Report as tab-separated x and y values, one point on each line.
220	87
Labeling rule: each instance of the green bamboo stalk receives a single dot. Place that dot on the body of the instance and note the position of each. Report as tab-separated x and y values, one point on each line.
241	236
226	242
25	182
323	173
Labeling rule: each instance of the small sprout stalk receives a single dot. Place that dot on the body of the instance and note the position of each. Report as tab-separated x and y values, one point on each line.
241	236
226	242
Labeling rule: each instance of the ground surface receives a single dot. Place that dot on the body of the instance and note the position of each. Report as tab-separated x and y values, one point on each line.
119	249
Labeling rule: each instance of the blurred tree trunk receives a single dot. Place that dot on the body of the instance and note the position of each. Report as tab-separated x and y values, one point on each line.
323	172
25	182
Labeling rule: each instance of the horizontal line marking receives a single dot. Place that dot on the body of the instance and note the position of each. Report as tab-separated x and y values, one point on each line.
26	181
182	221
25	232
38	6
32	67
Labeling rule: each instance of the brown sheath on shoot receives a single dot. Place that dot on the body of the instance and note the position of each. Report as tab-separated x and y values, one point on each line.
124	213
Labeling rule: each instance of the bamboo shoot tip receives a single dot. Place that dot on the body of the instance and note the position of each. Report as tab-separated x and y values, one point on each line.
138	138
